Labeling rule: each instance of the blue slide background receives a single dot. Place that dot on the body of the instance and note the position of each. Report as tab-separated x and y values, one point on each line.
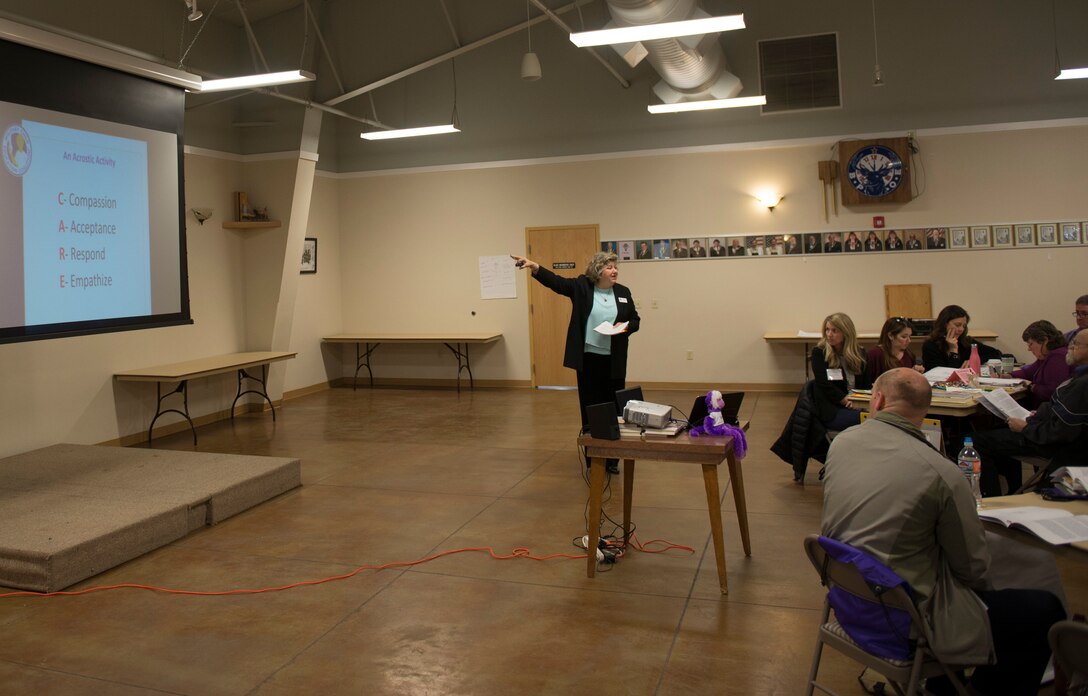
127	252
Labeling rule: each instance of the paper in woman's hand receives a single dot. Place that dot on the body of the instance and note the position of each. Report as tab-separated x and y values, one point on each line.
609	329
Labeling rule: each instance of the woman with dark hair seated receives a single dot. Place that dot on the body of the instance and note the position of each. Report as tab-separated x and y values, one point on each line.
1049	370
949	345
893	350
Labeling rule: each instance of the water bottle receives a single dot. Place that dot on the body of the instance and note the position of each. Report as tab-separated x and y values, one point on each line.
971	467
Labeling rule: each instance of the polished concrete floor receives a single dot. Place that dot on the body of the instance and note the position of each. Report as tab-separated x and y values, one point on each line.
393	476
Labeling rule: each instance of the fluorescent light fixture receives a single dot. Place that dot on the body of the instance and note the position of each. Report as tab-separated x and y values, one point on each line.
1072	74
707	104
263	80
664	30
409	132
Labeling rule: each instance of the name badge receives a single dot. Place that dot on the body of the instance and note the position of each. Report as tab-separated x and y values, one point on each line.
621	299
835	374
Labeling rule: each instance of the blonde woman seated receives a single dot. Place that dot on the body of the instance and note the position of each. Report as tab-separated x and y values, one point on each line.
893	350
837	367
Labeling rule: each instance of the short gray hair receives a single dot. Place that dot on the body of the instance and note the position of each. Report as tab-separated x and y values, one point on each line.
598	262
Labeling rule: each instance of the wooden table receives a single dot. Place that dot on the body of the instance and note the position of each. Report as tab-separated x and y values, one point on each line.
1077	507
182	372
706	451
791	338
371	341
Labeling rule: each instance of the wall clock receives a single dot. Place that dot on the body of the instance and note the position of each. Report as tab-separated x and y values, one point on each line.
875	171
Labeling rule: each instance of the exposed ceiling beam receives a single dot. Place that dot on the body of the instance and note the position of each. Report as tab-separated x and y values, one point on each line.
550	14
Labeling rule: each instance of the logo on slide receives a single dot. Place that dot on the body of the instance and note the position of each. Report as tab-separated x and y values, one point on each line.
17	152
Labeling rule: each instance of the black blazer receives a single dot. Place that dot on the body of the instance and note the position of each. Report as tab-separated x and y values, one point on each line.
580	292
935	352
828	394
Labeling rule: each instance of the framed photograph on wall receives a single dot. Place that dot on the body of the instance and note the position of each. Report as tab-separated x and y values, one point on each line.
980	237
716	247
309	255
697	247
1025	235
627	250
912	239
893	241
644	251
1002	235
1047	233
611	248
957	238
1071	233
813	245
736	247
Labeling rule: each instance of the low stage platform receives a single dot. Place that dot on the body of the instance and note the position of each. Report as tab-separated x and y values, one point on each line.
68	512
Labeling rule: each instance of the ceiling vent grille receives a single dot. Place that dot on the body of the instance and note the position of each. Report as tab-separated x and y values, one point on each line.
800	73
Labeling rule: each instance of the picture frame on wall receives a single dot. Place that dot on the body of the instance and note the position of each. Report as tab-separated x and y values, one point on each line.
627	250
736	247
1046	234
912	239
697	248
813	244
1071	232
611	248
1025	235
1002	236
309	255
980	237
644	250
717	247
893	241
957	238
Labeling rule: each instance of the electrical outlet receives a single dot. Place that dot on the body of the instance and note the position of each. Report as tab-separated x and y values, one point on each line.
653	303
691	355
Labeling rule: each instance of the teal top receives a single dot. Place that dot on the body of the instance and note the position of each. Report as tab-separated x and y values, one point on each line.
604	309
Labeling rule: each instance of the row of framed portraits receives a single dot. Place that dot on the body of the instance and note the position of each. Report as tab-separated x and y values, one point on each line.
920	239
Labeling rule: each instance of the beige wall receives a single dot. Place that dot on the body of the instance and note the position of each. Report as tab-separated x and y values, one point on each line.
416	237
399	252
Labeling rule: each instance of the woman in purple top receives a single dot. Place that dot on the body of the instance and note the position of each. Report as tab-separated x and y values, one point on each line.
893	350
1049	370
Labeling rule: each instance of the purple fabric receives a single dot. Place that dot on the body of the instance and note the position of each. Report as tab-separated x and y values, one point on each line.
712	426
877	629
1045	375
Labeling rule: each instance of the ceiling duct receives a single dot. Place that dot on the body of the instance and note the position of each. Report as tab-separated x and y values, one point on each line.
692	68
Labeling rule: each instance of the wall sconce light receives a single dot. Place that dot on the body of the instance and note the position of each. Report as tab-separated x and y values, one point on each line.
769	200
202	214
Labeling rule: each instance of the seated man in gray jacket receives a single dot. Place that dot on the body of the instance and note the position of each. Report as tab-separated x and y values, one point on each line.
890	494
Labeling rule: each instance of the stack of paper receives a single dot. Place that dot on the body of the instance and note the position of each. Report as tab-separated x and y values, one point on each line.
999	403
633	431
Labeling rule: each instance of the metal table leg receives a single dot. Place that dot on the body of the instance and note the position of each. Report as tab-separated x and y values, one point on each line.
462	364
262	392
361	361
160	412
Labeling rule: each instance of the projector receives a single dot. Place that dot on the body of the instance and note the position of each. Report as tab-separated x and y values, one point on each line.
647	414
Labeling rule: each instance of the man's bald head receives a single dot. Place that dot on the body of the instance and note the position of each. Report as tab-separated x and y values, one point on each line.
902	391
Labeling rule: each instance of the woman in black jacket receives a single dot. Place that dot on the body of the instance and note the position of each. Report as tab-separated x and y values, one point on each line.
599	360
949	345
838	365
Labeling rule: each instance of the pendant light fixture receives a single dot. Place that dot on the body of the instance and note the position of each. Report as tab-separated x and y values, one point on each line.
530	63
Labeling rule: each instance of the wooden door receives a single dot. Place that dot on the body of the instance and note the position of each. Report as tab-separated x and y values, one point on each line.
555	248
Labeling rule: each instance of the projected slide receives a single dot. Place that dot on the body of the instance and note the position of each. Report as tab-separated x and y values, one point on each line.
85	223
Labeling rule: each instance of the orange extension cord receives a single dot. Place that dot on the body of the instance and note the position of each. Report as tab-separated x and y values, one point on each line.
516	553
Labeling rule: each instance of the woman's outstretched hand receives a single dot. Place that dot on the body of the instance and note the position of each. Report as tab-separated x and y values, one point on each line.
522	262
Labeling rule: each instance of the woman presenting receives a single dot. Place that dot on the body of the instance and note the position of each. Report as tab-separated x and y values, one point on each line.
600	361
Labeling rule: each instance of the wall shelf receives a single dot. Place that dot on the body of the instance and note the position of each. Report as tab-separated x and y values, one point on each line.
251	224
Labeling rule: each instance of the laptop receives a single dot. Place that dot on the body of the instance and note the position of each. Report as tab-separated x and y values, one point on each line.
730	410
625	395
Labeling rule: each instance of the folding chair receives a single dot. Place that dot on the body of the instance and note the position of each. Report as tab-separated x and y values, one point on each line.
876	621
1069	641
